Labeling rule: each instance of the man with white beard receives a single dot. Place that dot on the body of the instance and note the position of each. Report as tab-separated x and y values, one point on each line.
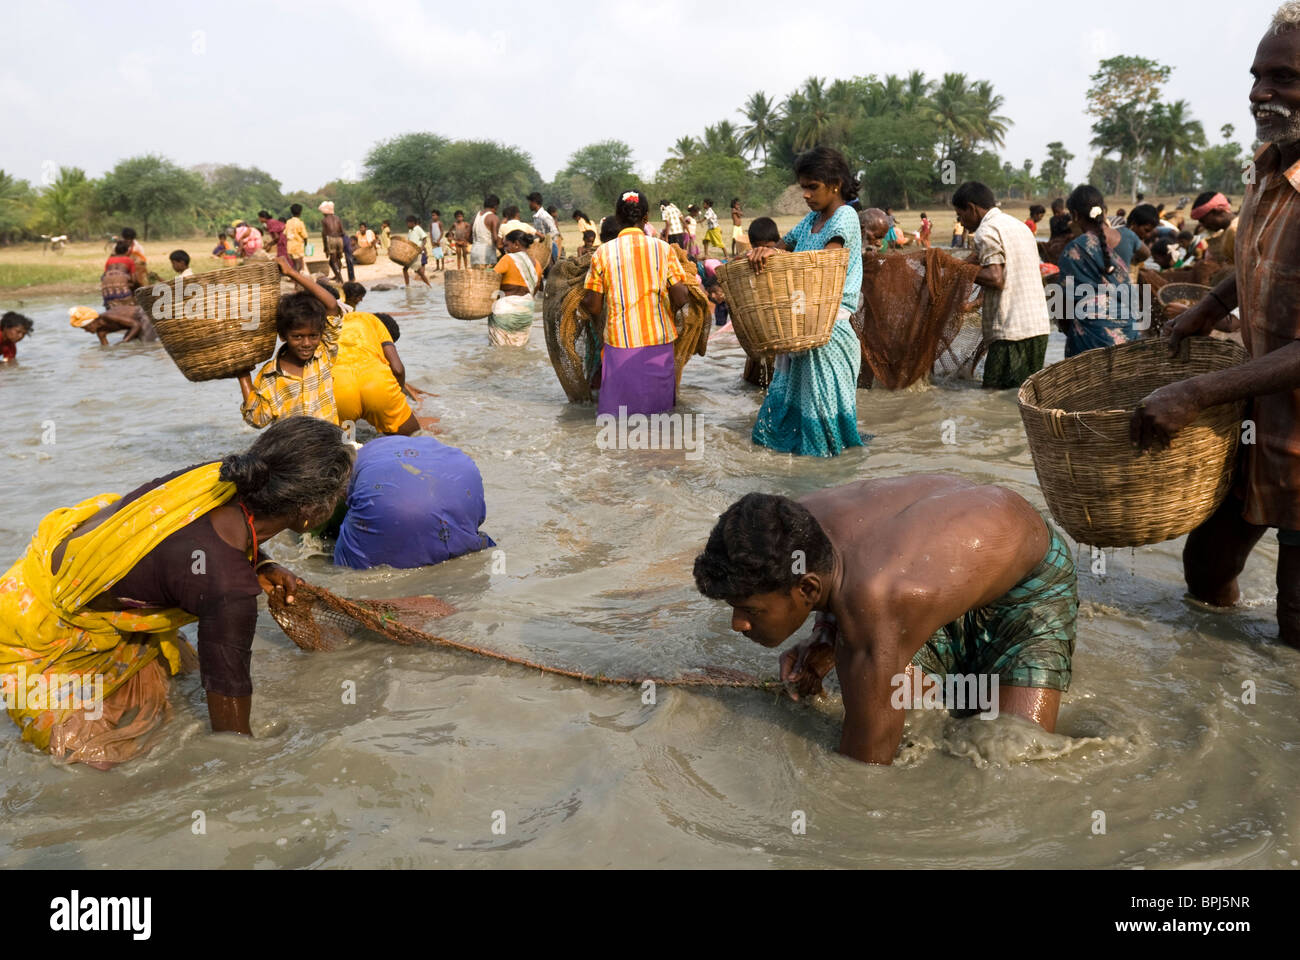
1266	286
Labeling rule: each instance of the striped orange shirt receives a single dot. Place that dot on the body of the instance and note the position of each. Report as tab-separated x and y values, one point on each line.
1268	293
634	272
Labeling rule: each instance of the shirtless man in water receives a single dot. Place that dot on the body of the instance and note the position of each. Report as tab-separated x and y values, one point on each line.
923	571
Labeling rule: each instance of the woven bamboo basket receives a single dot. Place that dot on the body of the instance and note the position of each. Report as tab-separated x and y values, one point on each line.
216	344
1170	292
1102	491
403	252
788	307
543	254
470	293
364	256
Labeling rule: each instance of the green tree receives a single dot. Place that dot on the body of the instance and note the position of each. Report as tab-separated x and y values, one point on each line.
608	167
150	189
15	206
763	116
1124	90
68	204
1052	170
407	171
951	111
1171	133
471	169
808	112
896	154
714	175
723	138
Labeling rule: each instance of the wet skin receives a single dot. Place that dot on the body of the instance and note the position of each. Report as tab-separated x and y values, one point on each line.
912	554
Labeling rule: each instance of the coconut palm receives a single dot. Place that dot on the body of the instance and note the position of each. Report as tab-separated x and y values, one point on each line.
985	104
809	112
1171	133
763	117
686	148
722	138
951	110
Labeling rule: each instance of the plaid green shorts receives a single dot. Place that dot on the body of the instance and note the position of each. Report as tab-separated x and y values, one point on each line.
1026	638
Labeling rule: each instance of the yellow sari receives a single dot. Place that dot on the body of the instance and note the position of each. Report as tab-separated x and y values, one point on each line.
45	628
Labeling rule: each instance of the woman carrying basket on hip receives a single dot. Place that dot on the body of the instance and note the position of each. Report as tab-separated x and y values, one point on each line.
811	408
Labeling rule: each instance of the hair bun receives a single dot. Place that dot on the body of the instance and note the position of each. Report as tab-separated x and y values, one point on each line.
247	472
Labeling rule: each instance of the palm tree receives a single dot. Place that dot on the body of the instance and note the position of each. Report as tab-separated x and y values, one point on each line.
809	112
686	148
985	104
950	109
1172	133
722	138
918	90
763	117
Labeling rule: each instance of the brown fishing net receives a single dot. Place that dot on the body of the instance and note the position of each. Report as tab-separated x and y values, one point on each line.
320	620
914	305
574	345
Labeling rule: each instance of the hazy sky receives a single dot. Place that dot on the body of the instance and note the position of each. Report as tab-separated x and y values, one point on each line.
303	90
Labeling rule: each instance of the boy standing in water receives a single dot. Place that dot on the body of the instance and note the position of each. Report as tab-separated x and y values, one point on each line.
415	233
297	380
460	237
435	238
925	574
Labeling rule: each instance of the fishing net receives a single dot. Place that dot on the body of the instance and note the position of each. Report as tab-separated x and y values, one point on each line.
320	620
914	305
574	344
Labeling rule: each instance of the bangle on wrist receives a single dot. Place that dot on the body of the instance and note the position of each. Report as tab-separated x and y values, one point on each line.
263	563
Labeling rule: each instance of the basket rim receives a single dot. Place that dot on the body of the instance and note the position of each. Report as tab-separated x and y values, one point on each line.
1023	395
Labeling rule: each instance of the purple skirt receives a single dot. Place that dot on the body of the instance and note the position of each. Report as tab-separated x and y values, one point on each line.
642	379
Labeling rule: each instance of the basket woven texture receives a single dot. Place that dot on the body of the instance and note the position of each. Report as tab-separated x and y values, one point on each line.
215	344
1097	486
402	251
364	255
788	307
470	293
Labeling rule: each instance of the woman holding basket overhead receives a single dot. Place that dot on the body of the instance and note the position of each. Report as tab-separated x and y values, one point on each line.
811	408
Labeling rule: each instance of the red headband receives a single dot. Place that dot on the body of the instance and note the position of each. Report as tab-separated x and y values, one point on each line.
1216	202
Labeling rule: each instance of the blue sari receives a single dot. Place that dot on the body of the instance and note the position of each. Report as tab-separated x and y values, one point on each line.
811	407
1104	307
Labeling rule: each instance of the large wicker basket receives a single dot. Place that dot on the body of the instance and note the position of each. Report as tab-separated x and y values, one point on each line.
364	256
790	305
235	328
1098	487
470	293
402	251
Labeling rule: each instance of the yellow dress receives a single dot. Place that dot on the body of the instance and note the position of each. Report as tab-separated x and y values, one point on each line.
46	631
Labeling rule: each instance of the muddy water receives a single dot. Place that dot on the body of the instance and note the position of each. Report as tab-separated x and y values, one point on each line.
597	549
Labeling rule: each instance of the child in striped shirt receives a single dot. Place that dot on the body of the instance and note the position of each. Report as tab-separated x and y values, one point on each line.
298	379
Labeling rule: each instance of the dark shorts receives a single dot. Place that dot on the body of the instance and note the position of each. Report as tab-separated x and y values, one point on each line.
1010	362
1026	638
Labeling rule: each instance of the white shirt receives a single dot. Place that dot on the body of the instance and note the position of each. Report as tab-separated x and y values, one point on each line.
1019	310
545	223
